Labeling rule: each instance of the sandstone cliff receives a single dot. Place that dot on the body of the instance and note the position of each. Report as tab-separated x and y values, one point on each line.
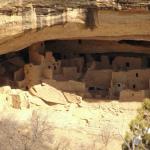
24	22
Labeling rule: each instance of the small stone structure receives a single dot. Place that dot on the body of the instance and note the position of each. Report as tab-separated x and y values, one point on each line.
132	95
118	78
126	63
87	75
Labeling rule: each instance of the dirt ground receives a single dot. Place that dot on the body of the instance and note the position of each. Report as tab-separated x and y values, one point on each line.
104	121
91	125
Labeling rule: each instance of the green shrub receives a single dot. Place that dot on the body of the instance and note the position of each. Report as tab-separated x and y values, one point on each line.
139	135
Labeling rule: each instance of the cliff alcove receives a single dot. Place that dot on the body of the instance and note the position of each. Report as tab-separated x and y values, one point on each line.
75	69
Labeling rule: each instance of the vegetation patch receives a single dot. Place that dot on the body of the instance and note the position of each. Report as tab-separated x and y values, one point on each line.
139	135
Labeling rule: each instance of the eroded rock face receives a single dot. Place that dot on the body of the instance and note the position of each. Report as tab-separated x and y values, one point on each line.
23	17
24	22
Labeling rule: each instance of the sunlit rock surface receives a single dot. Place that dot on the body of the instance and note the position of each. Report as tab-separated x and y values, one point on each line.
24	22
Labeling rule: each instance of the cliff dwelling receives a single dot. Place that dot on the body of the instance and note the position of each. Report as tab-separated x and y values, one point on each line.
73	73
79	67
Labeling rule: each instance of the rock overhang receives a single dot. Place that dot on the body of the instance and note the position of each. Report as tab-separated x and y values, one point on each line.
26	22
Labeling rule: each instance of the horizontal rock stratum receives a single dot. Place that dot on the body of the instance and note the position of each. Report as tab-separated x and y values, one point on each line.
24	22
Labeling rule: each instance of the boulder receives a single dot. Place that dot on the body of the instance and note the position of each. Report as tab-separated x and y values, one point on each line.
72	98
48	93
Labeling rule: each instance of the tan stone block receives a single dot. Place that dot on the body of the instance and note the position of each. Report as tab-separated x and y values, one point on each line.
126	63
48	93
48	73
37	101
47	70
137	79
70	73
98	78
134	95
33	74
72	98
22	84
19	75
24	101
14	101
35	57
49	57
